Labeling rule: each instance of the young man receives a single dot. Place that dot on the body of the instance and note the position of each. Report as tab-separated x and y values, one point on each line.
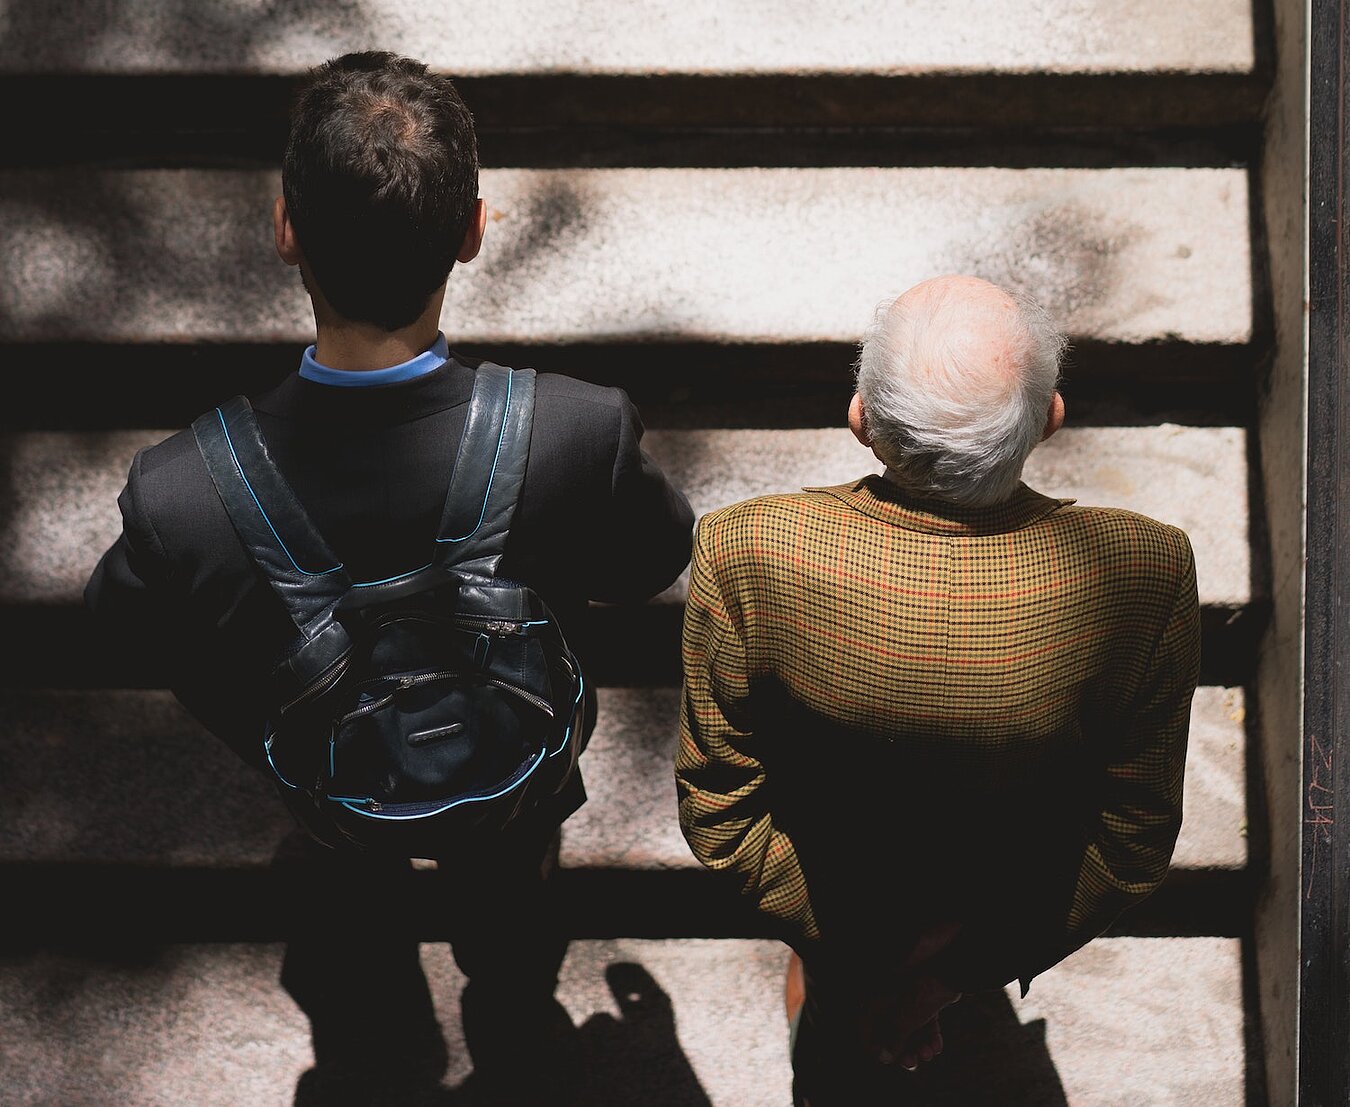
380	201
934	723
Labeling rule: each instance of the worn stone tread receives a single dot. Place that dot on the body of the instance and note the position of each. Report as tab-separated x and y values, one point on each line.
63	490
1123	1022
757	255
127	778
114	792
539	38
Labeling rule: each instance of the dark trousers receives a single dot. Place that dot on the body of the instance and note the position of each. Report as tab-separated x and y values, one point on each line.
352	960
830	1067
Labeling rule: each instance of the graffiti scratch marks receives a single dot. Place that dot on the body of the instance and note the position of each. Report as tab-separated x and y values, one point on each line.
1321	806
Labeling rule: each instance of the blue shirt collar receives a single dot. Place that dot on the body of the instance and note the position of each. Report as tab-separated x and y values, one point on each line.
424	362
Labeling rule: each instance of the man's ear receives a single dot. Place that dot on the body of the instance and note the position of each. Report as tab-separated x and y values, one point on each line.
1055	417
473	237
283	233
857	421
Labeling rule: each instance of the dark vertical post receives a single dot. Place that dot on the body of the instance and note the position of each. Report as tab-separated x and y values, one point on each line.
1324	1024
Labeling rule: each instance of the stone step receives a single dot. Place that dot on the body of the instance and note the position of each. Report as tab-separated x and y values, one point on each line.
1133	256
63	490
537	64
1192	477
63	514
631	785
623	646
700	1023
700	37
677	385
102	782
800	164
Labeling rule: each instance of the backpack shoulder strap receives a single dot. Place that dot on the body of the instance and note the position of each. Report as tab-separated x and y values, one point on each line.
269	519
489	470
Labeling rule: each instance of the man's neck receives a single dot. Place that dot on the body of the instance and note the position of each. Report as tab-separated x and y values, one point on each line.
359	349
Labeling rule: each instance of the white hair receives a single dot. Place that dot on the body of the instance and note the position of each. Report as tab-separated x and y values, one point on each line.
946	421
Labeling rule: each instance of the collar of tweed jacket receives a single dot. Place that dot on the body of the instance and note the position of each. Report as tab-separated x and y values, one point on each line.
882	499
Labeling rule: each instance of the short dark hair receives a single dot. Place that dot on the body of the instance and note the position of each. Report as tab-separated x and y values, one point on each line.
380	176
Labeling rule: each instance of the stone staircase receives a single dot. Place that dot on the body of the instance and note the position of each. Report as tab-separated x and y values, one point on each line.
701	203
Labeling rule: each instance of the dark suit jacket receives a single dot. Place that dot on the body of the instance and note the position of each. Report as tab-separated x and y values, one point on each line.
597	520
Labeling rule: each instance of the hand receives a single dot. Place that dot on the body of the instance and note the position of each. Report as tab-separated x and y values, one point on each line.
903	1025
923	1045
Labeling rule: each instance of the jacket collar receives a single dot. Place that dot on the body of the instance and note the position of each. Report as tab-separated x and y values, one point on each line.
384	404
882	499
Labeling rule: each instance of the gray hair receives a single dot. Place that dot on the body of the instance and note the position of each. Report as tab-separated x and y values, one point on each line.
941	421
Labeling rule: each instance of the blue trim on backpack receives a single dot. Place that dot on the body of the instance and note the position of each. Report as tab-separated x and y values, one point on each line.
581	688
267	749
262	510
350	803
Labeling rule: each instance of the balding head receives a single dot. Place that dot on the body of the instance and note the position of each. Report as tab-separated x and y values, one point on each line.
961	323
956	378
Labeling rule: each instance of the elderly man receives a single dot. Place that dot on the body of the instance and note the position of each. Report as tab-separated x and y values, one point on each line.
934	723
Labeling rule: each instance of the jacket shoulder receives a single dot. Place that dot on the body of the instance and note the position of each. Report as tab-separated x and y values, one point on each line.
161	468
1129	533
773	511
579	419
561	389
1128	554
169	490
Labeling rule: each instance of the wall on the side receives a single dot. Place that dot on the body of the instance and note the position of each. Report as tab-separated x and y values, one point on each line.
1281	437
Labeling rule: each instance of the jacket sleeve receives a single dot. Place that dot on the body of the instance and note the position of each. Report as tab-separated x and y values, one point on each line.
141	619
1129	850
724	812
647	525
129	594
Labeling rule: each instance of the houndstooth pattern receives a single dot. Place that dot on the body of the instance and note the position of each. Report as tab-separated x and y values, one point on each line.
981	636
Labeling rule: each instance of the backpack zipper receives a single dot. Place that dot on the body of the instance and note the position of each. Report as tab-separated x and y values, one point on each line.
528	697
403	683
326	681
490	625
425	678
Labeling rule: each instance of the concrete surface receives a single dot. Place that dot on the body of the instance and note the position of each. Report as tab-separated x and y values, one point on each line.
745	255
125	777
1165	1032
1282	426
1124	255
644	36
62	490
1192	477
1214	821
1125	1022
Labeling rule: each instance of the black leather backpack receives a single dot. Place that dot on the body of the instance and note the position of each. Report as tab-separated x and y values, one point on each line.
409	712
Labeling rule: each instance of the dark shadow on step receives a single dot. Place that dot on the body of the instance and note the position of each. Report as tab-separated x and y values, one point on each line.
636	1057
989	1057
608	1061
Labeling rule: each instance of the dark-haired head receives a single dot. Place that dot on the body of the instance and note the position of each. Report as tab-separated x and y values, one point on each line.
380	180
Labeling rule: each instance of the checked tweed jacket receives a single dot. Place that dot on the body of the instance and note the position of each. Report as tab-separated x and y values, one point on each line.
898	712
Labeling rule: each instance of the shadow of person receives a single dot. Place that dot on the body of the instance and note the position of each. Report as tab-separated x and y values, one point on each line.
990	1058
635	1058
